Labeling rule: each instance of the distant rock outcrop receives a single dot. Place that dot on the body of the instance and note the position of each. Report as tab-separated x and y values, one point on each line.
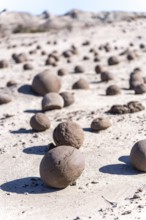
18	22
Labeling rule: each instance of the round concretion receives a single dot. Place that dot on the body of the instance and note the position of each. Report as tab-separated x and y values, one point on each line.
100	124
46	82
68	98
79	69
61	166
40	122
98	69
52	101
81	84
4	99
140	89
138	155
113	61
113	90
62	72
106	76
68	133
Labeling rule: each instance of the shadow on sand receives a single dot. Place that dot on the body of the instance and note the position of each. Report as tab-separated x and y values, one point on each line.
38	150
27	90
120	169
30	185
22	131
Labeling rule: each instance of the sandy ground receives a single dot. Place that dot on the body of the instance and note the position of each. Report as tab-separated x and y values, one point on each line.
109	187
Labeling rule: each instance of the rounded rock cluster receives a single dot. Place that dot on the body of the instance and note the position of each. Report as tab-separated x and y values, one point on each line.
61	166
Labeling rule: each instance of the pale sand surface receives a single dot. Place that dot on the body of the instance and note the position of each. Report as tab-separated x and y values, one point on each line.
108	174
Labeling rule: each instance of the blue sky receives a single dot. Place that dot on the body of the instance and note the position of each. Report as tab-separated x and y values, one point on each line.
62	6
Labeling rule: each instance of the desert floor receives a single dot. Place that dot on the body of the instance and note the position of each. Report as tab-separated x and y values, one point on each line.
109	187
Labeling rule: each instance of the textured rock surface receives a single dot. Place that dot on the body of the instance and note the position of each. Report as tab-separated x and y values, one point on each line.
138	155
46	82
61	166
40	122
68	133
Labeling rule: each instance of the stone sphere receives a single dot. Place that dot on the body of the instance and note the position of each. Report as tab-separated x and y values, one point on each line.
40	122
61	166
27	66
62	72
52	101
81	84
100	124
106	76
113	60
113	90
98	69
46	82
134	83
68	98
79	69
4	99
68	133
140	89
50	61
131	56
138	155
4	64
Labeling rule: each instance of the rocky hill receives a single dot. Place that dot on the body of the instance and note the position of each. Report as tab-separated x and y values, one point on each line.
17	22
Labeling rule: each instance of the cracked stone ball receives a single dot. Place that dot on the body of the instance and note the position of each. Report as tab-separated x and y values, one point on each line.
40	122
52	101
61	166
100	124
68	133
113	90
138	155
68	98
46	82
81	84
